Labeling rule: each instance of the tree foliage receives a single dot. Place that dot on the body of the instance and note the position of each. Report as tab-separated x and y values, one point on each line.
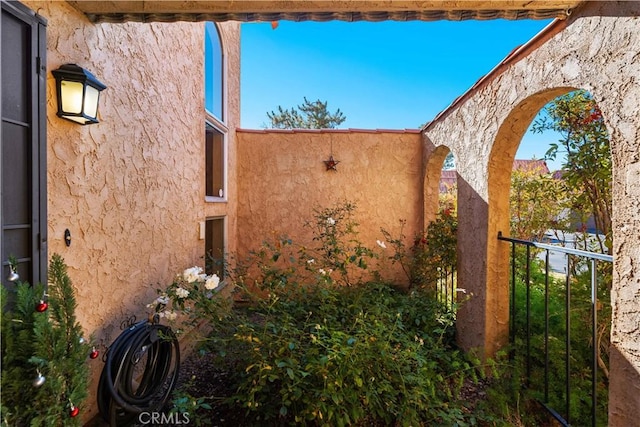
587	166
309	115
449	162
47	343
538	203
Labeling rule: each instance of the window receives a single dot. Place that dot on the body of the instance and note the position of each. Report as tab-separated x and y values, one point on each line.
213	72
215	128
214	246
215	160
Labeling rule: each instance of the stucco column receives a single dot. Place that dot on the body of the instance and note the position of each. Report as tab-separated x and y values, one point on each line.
624	353
482	323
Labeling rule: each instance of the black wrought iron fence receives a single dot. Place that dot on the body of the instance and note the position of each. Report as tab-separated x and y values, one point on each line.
547	330
446	286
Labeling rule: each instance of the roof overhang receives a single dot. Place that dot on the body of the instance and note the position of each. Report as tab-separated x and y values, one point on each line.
312	10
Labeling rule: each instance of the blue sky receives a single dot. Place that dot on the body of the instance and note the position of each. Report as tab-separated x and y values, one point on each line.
384	75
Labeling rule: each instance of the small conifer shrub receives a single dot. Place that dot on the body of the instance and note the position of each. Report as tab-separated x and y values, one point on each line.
44	355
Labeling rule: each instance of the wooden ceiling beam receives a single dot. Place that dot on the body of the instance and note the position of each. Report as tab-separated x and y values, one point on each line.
348	10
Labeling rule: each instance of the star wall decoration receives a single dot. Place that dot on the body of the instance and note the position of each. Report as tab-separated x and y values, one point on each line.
331	164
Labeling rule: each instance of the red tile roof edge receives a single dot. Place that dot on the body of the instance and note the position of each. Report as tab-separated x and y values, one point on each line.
349	130
520	52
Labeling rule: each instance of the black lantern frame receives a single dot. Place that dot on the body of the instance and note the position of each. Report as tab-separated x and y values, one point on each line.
78	94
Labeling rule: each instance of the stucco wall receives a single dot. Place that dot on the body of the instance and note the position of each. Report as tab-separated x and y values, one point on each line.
131	192
131	188
597	51
282	179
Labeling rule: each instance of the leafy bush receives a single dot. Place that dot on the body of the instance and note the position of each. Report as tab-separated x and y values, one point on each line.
434	250
335	231
190	408
317	345
433	253
337	356
192	293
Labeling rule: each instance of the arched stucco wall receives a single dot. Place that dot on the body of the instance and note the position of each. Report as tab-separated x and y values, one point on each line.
433	159
501	158
597	51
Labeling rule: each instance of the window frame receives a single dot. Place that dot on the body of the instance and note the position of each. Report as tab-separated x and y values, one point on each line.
208	220
223	82
212	198
217	123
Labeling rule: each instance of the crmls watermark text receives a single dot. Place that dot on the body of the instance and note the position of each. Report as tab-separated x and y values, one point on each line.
156	419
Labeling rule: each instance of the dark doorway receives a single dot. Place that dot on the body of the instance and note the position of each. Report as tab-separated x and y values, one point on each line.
23	208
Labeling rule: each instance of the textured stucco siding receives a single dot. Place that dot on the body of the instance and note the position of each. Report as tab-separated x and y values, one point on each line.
598	51
282	179
131	188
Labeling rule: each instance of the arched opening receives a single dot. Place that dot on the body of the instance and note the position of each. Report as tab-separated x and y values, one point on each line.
499	178
436	160
441	221
559	227
578	154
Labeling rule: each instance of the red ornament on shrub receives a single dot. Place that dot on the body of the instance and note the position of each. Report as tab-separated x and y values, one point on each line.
42	306
74	411
94	353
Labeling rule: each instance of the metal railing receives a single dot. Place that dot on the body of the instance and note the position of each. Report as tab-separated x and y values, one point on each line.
565	417
446	286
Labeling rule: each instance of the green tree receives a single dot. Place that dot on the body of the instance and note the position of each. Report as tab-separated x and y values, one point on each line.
587	166
449	162
538	203
309	115
44	357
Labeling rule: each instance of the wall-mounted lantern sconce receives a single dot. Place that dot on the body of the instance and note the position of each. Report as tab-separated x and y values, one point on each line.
78	94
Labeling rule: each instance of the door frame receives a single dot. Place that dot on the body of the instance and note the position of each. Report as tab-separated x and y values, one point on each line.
38	121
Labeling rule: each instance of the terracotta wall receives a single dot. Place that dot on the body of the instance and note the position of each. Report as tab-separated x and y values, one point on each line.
131	188
282	178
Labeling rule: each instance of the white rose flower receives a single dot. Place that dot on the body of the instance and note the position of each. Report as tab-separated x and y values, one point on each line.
162	299
331	221
182	292
212	282
170	315
192	274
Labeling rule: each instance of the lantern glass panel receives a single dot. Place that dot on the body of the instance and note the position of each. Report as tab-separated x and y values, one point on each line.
71	96
91	101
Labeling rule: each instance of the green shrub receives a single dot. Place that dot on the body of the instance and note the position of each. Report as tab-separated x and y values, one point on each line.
433	252
44	356
318	345
337	356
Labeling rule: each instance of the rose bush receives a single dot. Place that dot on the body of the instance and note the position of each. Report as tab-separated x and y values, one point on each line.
192	293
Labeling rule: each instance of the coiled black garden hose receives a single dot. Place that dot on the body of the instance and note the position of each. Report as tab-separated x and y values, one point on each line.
140	372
